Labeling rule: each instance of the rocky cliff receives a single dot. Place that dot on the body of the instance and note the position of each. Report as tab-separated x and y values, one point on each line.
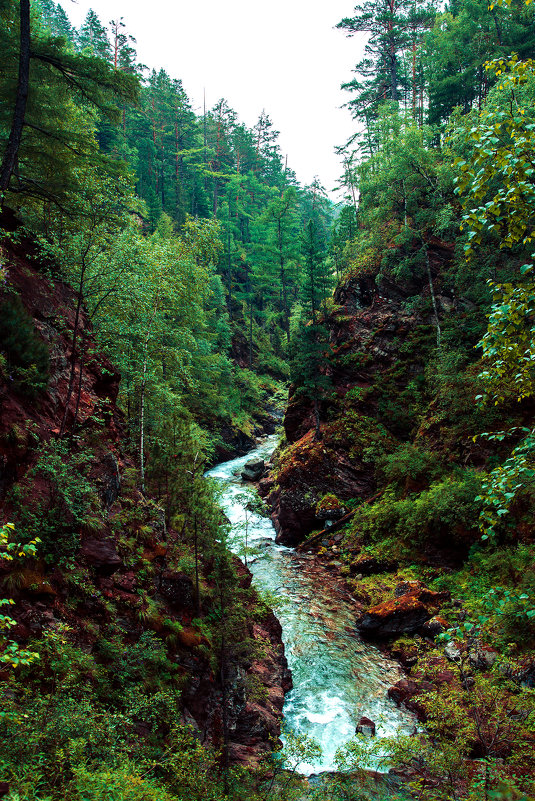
400	412
379	346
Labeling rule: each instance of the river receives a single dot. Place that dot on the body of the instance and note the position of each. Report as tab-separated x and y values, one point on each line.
337	677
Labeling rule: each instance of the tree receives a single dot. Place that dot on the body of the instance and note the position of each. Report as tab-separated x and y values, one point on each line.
393	26
51	131
57	20
467	35
91	252
11	151
311	339
498	188
278	250
93	37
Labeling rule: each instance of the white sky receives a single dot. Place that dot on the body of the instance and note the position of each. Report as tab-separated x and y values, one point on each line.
283	56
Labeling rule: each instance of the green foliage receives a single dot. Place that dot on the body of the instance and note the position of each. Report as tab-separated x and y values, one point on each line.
10	652
66	501
26	355
498	588
408	463
446	509
499	172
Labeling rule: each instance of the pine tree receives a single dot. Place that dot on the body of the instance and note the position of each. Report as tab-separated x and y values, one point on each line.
311	338
56	20
93	37
394	27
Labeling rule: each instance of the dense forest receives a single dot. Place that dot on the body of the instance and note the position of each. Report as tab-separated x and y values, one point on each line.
164	281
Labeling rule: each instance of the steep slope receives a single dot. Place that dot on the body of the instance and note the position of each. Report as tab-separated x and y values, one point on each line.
379	346
110	601
400	415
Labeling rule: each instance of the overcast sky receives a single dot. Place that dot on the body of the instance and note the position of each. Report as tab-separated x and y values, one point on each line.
283	56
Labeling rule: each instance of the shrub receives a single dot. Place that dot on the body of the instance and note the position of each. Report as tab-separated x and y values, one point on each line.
409	462
448	509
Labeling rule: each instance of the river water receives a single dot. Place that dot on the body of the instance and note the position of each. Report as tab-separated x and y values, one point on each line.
337	677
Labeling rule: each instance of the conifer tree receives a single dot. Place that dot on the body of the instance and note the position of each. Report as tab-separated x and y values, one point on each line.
311	337
93	37
394	28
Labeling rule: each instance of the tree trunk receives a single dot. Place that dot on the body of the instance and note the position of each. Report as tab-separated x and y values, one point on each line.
73	354
142	426
13	143
251	333
79	390
286	313
197	592
433	299
229	269
317	432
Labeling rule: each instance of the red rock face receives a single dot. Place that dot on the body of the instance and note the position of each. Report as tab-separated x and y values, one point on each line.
404	614
23	419
367	330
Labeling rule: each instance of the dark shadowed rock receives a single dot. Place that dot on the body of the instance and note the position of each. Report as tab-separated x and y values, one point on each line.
432	628
406	692
400	616
177	589
407	586
265	486
369	565
482	657
102	555
110	480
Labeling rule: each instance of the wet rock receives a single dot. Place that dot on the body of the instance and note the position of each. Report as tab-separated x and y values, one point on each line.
452	652
387	620
366	727
253	470
406	692
265	486
102	555
331	513
482	657
234	443
407	586
522	672
293	517
406	653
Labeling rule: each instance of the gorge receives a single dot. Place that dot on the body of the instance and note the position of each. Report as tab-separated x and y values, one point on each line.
267	450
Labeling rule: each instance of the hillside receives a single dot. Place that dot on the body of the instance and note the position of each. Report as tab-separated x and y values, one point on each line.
129	656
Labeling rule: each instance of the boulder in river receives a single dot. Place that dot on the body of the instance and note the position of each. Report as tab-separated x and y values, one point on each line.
366	727
253	470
